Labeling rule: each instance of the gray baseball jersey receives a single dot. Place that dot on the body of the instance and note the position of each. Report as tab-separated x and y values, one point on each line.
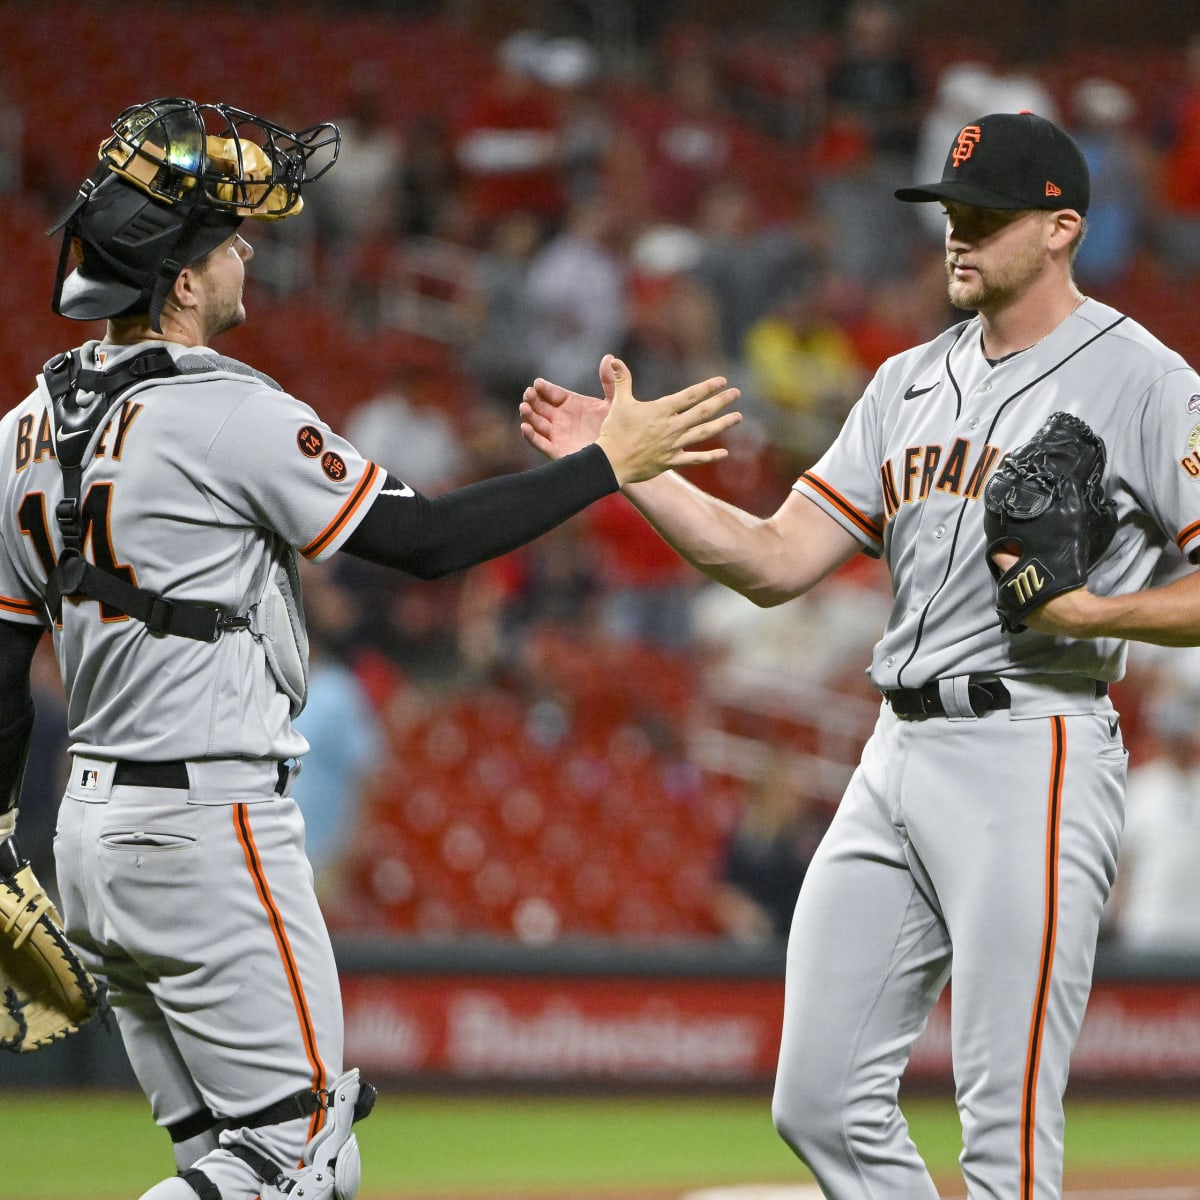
201	486
906	477
983	842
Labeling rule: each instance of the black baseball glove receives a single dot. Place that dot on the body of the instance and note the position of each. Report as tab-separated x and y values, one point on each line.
1046	504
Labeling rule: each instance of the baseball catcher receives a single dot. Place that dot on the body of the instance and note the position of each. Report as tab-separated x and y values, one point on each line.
1046	504
155	530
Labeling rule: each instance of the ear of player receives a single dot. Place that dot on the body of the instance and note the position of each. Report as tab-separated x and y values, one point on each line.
1046	504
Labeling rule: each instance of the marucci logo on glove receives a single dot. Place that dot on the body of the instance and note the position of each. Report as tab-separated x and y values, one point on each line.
1026	584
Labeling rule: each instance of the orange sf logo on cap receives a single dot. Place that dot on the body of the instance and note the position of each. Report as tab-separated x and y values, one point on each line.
968	139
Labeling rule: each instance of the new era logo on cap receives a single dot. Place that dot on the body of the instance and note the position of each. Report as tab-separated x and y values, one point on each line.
1011	161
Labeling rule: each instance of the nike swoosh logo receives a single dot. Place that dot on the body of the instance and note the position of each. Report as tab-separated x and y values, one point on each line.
913	392
404	491
65	437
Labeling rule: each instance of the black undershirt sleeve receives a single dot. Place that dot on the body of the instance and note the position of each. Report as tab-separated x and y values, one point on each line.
17	644
432	536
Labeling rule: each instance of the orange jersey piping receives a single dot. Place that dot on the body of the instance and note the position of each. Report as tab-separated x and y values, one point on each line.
245	837
1037	1026
322	540
871	528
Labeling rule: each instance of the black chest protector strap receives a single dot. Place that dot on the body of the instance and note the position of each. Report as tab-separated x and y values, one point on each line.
81	401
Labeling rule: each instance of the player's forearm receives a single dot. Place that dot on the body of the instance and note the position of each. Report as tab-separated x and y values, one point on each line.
432	537
1163	616
749	554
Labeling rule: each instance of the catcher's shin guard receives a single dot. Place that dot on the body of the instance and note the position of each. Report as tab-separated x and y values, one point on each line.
332	1167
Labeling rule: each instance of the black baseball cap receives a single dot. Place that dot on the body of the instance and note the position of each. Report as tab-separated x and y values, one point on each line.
1010	160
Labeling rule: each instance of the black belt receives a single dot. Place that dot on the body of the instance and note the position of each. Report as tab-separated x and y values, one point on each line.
915	704
172	774
984	695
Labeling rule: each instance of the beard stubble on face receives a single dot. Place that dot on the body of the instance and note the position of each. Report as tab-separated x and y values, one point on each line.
228	315
992	287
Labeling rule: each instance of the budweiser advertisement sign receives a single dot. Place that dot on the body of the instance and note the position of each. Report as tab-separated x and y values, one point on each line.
596	1029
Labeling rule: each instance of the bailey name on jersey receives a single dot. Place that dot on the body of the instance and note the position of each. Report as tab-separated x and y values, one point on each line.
29	449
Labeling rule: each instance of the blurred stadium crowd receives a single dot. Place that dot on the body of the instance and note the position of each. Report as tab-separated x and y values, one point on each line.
565	740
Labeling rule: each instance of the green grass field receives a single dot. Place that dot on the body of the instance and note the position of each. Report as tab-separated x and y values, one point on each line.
102	1146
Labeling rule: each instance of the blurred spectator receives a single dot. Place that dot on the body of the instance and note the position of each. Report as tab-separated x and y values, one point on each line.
874	80
691	141
588	127
407	431
286	259
802	365
1121	166
647	589
576	285
343	735
777	82
430	178
767	855
1178	218
508	140
744	262
1156	900
674	317
549	584
862	236
895	314
358	204
498	352
821	640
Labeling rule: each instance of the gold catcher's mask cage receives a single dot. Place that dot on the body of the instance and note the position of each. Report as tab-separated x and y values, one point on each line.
176	178
215	154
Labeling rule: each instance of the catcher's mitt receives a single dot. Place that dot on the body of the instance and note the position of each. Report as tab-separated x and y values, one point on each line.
46	993
1046	504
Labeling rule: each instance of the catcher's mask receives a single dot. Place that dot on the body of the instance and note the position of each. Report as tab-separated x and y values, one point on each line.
175	179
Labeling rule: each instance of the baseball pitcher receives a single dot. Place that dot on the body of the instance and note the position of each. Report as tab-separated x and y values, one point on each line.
1023	475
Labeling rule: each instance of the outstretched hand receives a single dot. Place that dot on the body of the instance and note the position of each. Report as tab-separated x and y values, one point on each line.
641	438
